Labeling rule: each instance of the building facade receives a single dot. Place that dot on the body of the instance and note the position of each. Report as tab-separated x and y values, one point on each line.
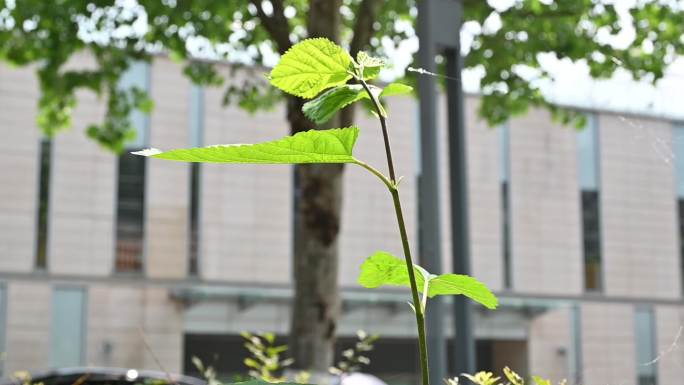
124	261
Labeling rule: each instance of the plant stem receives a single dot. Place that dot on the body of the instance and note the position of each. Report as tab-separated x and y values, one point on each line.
394	190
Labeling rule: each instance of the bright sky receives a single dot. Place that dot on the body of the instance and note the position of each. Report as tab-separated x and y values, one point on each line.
573	86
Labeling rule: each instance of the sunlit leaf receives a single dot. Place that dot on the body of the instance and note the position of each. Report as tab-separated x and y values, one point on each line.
310	67
395	88
371	65
314	146
455	284
324	107
541	381
513	377
383	268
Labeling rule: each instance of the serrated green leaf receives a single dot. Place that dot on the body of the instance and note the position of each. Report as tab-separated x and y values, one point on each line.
395	88
324	107
314	146
454	284
310	67
383	268
371	65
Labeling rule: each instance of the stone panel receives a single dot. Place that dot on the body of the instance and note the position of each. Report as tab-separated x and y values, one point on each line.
19	149
168	183
545	212
608	344
639	222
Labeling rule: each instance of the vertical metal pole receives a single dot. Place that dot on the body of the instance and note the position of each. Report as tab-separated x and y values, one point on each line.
429	239
464	340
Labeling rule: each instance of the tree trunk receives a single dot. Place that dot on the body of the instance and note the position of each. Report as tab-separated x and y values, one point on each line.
318	204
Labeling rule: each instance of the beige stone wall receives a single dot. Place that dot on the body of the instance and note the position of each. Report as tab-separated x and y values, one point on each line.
669	337
28	326
641	255
484	189
129	327
246	209
19	148
83	197
550	345
368	220
168	183
545	212
608	344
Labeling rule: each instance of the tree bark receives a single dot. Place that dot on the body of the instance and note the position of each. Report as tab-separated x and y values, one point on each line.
317	197
318	205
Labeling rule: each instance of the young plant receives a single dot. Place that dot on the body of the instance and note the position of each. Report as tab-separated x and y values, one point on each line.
513	378
320	70
265	362
353	358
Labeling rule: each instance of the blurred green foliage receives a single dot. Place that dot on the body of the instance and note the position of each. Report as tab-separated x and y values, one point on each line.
47	35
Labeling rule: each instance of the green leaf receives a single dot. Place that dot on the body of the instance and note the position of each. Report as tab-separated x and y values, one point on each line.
541	381
482	378
324	107
251	363
314	146
371	65
453	284
395	88
383	268
310	67
513	377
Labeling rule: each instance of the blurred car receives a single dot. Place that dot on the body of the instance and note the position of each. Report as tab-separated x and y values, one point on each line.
100	376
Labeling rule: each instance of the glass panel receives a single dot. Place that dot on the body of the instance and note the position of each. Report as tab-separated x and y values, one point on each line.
505	170
588	179
131	181
68	327
591	238
587	155
138	76
678	147
3	321
196	140
130	213
43	203
644	324
194	218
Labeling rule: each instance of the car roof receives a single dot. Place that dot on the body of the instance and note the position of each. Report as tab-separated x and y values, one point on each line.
86	375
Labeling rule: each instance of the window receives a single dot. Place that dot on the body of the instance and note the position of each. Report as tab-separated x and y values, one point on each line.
588	174
130	222
3	322
67	343
504	151
130	213
678	146
644	332
43	203
196	140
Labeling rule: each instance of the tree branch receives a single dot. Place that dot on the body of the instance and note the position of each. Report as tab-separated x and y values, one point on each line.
276	25
361	35
363	29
